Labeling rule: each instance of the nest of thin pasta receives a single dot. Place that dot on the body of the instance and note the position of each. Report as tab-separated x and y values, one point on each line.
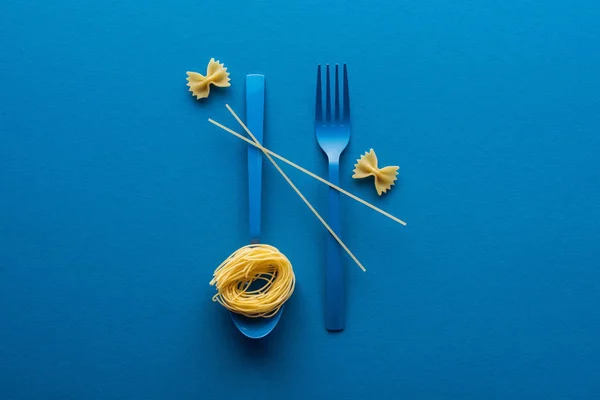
237	278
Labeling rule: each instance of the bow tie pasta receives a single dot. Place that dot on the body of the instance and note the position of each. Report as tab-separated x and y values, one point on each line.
216	74
367	166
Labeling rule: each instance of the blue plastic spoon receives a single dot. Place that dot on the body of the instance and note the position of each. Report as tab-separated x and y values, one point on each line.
255	328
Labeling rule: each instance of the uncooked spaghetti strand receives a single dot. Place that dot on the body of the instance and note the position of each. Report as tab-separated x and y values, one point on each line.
298	192
307	172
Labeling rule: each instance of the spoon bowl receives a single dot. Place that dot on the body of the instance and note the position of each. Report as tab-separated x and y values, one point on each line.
256	328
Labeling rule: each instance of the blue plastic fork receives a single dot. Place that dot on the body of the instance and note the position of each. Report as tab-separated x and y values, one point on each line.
333	135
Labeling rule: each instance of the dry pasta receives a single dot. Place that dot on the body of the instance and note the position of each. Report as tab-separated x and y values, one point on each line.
307	172
367	166
254	263
216	74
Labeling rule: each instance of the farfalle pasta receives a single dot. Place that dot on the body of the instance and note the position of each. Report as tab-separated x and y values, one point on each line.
216	74
367	166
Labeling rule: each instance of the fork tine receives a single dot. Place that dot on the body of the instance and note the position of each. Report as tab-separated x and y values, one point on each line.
328	97
346	95
337	94
319	102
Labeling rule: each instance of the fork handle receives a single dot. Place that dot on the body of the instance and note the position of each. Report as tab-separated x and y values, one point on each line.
335	316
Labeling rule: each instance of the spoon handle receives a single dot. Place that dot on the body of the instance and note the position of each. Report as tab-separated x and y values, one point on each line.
255	111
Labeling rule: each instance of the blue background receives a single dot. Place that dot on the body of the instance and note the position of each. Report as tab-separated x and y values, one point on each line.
118	199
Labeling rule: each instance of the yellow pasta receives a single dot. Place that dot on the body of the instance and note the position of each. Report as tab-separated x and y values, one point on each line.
256	262
367	166
216	74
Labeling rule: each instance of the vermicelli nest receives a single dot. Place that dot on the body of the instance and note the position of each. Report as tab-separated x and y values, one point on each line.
260	263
